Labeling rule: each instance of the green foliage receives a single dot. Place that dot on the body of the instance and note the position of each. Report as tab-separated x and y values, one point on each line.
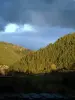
53	67
61	54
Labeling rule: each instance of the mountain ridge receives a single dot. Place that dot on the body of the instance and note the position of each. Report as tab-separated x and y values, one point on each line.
59	55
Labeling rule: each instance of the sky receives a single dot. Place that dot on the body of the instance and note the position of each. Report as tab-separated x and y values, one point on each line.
36	23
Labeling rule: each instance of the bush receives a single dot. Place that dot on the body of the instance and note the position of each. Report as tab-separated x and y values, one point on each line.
53	67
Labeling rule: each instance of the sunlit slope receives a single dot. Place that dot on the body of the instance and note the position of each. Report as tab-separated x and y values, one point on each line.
10	53
55	56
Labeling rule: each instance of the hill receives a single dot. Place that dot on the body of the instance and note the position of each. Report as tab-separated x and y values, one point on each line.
60	55
10	53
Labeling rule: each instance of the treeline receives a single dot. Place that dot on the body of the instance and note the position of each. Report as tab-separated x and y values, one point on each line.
60	55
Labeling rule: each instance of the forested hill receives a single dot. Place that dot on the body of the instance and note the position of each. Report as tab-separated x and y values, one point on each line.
60	55
10	53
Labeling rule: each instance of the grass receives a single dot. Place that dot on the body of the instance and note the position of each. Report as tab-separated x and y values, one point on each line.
10	53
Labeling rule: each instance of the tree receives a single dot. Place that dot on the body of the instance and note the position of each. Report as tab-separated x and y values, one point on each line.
53	67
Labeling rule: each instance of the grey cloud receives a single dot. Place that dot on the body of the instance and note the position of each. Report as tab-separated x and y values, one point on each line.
39	12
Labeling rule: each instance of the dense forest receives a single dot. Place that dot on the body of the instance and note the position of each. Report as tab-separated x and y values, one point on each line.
50	69
57	56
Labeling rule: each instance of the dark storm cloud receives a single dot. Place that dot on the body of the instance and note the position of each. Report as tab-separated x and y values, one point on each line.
38	12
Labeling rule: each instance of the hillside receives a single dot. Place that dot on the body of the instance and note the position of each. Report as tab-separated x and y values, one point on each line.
60	55
10	53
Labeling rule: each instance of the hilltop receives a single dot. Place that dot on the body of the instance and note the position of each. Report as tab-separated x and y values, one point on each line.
24	69
57	56
10	53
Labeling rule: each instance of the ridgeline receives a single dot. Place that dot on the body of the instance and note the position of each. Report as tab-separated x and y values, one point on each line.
57	56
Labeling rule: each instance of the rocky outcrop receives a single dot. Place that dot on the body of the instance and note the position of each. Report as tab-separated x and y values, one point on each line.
3	69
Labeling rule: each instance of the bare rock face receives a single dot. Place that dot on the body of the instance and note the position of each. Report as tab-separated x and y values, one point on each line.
3	69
